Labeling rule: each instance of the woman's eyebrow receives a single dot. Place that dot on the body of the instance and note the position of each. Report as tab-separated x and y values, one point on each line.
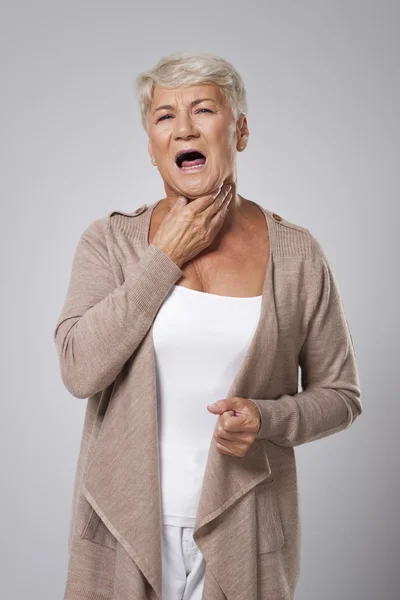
193	103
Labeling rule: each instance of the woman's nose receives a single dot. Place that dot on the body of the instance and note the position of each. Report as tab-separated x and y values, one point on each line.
183	125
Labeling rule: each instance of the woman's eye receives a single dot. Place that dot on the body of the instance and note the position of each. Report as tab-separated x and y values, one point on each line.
200	109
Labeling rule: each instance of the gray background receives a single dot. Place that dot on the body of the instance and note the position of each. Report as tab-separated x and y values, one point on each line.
323	93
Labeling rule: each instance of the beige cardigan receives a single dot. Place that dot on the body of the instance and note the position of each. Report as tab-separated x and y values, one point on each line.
247	523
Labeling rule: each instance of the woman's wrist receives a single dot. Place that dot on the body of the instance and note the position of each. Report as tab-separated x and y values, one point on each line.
171	255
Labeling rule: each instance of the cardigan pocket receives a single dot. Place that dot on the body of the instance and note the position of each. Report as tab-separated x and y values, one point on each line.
96	531
270	533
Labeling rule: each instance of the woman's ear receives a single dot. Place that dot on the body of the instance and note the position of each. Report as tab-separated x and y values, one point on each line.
153	160
242	133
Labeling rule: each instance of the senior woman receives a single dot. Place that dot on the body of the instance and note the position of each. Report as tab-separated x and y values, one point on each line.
184	325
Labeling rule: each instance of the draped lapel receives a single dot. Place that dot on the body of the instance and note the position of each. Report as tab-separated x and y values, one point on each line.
122	480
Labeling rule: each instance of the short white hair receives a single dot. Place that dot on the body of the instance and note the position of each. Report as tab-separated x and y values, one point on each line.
185	69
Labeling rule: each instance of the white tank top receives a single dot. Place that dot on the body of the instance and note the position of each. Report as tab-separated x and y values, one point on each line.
200	341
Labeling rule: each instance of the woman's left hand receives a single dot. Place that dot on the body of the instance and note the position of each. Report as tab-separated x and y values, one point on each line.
237	425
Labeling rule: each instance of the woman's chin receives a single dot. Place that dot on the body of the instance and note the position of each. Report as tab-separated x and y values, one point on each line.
195	189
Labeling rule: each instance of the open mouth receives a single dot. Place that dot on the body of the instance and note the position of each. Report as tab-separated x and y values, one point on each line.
191	161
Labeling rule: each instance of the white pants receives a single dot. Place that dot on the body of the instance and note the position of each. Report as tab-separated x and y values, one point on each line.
183	565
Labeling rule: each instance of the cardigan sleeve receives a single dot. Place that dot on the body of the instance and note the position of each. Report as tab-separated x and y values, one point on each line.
101	324
330	398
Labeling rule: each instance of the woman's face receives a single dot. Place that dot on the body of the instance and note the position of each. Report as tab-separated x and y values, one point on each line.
196	117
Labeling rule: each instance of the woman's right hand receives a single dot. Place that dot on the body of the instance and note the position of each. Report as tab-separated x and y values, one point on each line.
190	227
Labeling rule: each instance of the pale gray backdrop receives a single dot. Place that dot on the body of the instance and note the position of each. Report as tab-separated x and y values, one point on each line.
323	93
